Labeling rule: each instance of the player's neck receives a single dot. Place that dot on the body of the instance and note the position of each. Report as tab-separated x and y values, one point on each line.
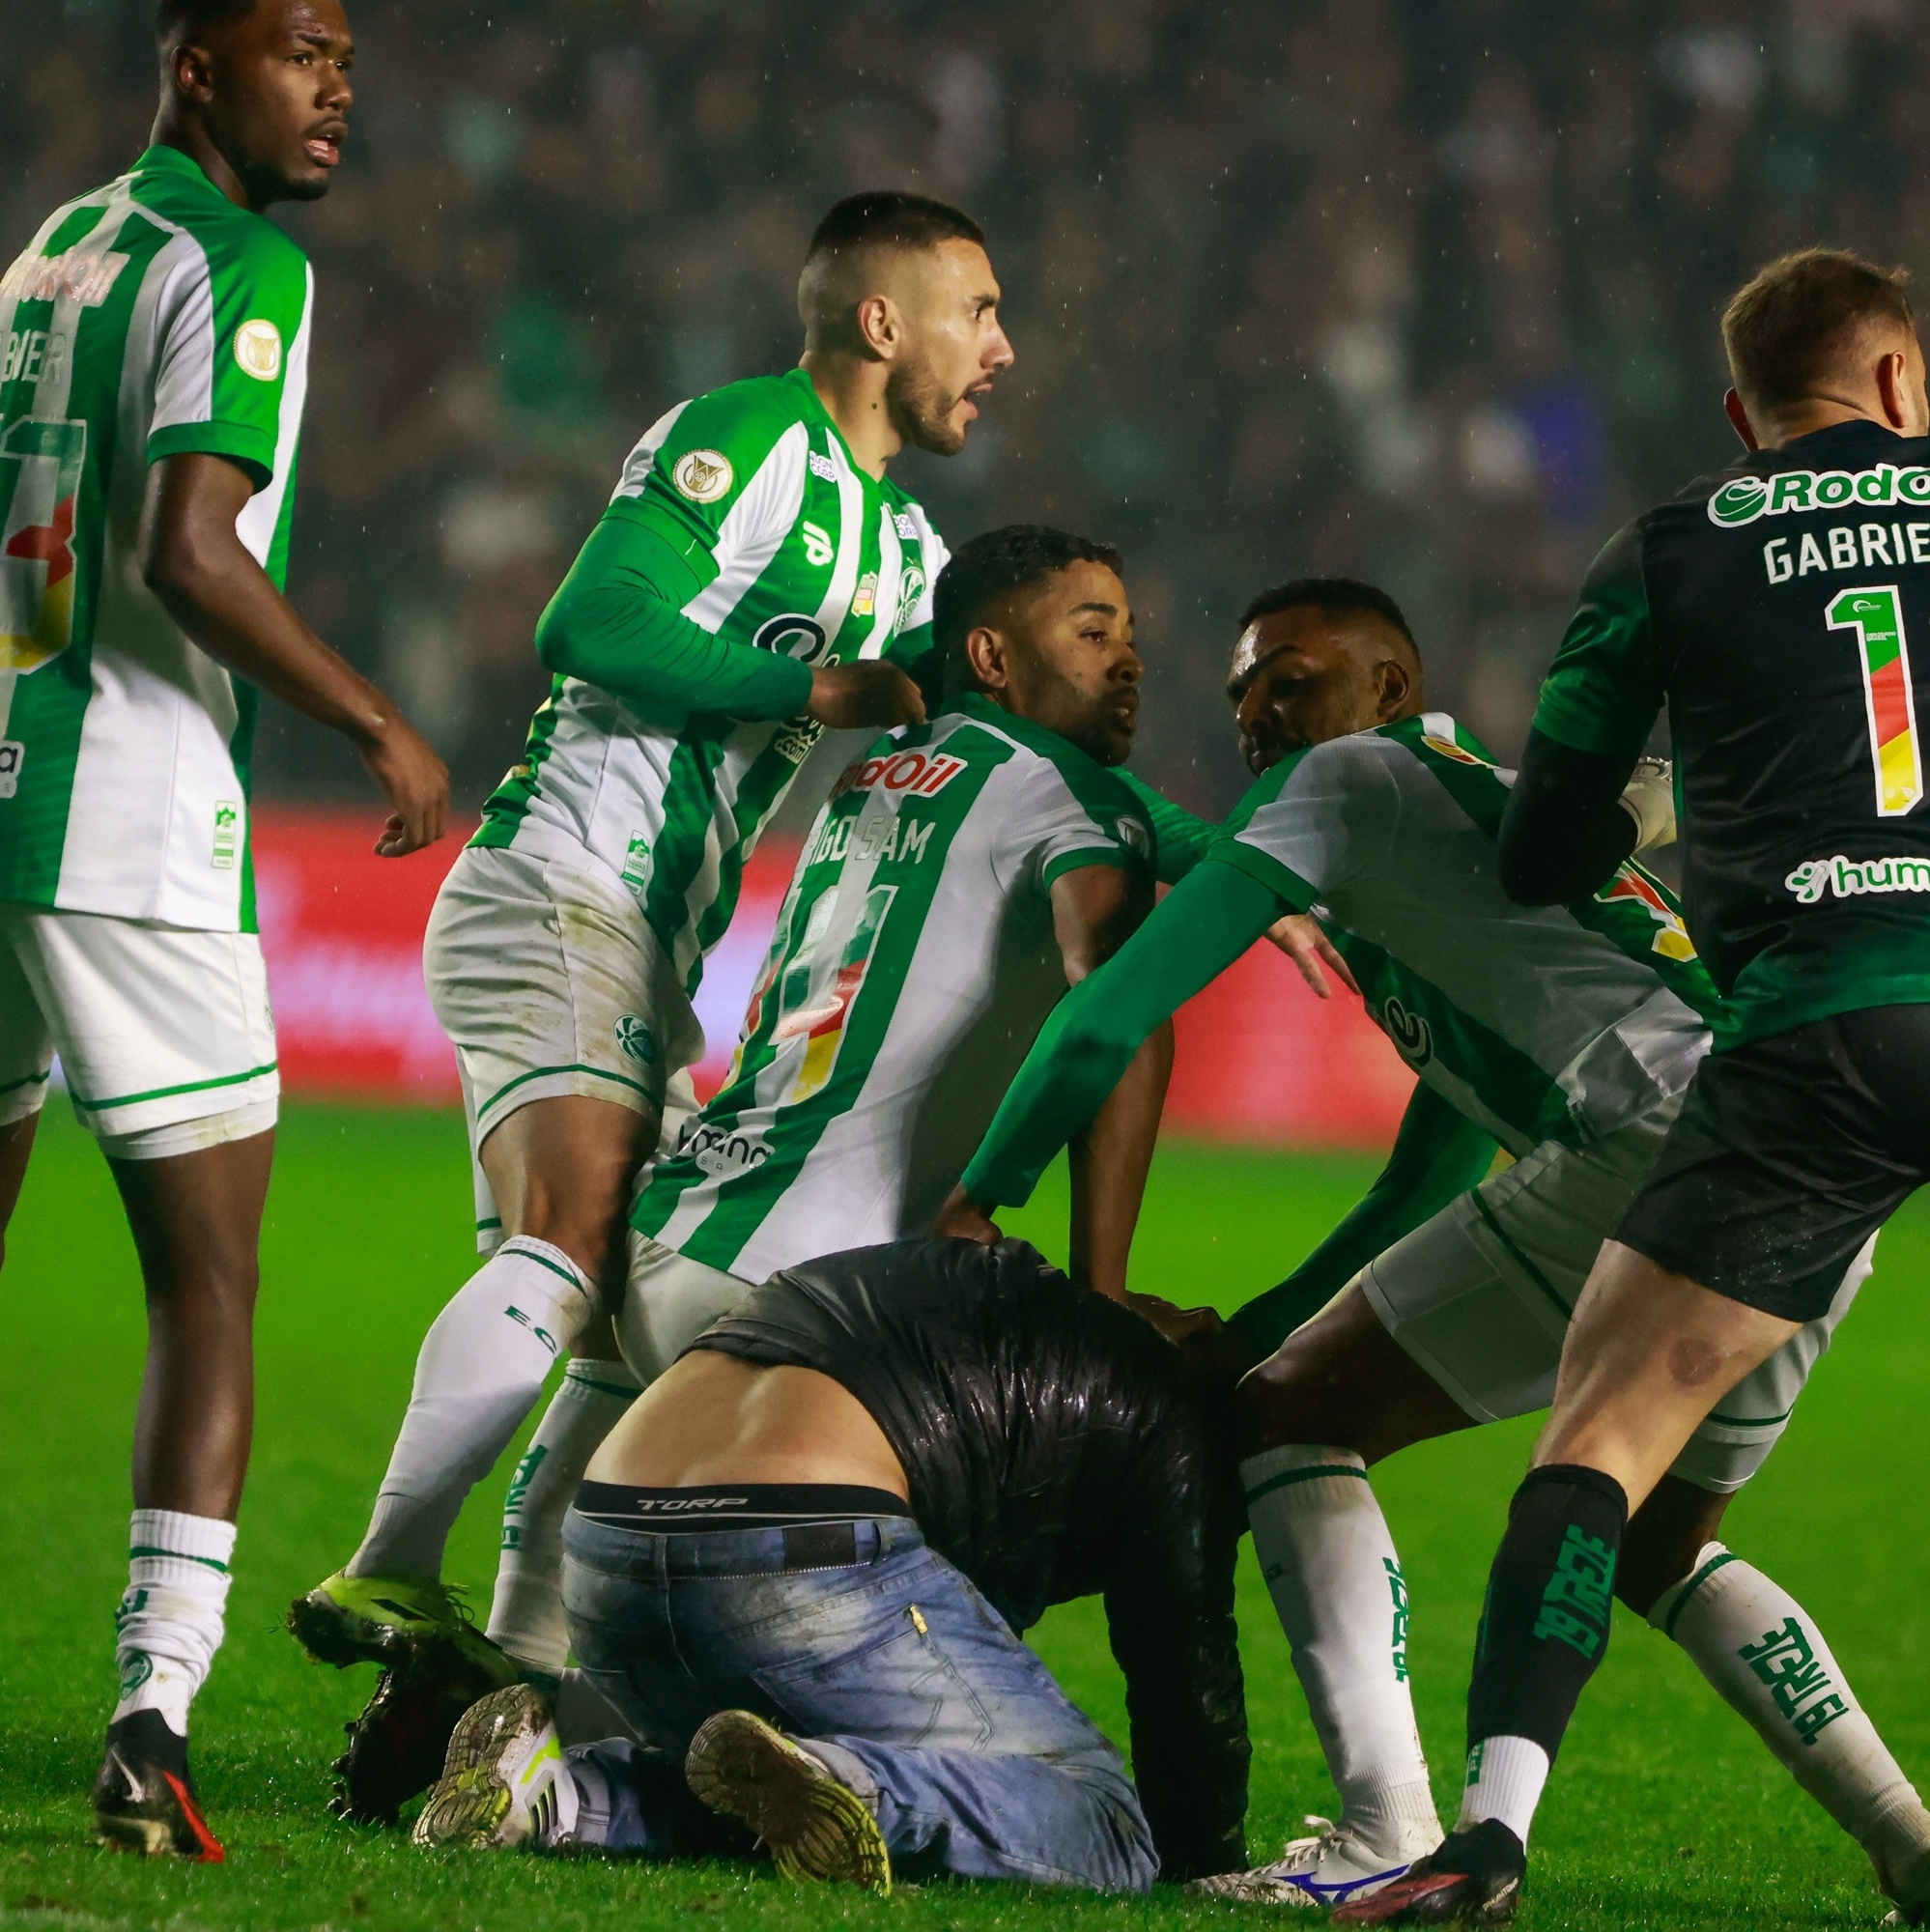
190	137
853	395
1821	413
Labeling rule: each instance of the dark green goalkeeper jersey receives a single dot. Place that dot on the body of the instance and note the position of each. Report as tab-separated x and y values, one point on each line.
1781	612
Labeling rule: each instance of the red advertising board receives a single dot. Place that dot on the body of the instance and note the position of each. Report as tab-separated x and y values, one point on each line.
1260	1059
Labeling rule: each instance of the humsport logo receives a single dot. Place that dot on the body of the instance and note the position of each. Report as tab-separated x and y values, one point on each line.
1743	498
1849	878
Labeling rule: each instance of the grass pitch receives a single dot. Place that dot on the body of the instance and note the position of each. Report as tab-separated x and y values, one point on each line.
1665	1810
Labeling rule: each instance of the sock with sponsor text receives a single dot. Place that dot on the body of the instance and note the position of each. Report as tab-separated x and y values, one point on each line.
1331	1567
170	1622
481	1368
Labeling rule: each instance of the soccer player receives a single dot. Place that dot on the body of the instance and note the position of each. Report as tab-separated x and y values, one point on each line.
1569	1034
156	338
964	872
1793	707
757	578
836	1514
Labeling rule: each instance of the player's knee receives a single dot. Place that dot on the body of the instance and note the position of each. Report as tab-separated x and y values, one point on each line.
1284	1400
1663	1540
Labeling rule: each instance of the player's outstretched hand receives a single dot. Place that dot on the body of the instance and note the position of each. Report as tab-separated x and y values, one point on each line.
963	1219
413	779
1299	936
864	697
1649	799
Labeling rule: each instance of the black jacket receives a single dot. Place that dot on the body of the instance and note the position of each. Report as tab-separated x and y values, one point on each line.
1054	1450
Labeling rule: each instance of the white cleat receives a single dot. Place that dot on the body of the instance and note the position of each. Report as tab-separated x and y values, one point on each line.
1326	1869
504	1782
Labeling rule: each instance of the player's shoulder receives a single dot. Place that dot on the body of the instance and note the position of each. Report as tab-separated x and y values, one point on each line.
743	420
234	240
1049	769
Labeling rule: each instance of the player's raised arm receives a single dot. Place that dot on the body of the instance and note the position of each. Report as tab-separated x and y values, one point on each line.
194	559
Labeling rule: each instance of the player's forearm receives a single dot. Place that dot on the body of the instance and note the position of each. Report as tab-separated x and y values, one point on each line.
1181	836
1199	931
617	621
1109	1164
1564	831
1438	1155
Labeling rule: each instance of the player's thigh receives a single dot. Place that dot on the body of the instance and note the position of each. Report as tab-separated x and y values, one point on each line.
1480	1296
669	1301
164	1033
1342	1381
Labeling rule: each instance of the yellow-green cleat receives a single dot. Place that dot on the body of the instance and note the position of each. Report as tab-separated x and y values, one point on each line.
348	1619
815	1826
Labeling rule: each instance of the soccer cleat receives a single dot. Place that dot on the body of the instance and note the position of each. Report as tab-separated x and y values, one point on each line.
504	1781
348	1619
398	1742
1326	1869
815	1826
144	1799
1471	1878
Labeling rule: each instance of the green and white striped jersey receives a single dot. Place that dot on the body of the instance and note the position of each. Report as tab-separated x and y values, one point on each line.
149	318
913	963
1558	1023
799	551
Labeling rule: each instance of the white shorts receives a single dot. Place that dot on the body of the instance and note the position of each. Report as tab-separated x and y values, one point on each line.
1480	1296
668	1302
164	1033
549	980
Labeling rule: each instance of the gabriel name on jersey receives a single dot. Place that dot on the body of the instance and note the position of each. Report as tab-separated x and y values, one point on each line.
913	964
1779	611
798	553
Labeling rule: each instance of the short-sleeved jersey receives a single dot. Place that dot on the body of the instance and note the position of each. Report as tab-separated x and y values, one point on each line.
799	551
1781	612
913	964
1557	1023
150	318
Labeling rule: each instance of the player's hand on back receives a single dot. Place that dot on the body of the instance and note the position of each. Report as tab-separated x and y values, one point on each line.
1299	935
869	697
961	1218
413	779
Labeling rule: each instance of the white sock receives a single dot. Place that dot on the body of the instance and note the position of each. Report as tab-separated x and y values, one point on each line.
527	1616
480	1370
1758	1646
169	1624
1330	1565
1505	1777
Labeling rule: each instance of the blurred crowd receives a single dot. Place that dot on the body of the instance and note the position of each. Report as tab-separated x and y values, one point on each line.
1423	291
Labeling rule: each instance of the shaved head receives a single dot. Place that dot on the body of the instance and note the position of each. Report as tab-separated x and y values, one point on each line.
178	20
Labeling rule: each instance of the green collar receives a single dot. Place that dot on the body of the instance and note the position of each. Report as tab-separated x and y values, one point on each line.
164	161
1040	738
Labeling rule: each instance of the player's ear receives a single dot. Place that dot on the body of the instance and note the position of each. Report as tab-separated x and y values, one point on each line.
880	328
1738	421
192	70
986	653
1893	377
1396	686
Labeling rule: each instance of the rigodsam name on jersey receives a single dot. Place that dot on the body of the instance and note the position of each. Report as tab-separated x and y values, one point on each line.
149	319
1561	1022
913	964
800	552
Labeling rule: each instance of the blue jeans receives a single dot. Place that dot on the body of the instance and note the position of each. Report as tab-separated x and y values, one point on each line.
896	1671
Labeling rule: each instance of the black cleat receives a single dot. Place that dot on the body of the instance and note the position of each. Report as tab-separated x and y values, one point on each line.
397	1745
1471	1878
144	1799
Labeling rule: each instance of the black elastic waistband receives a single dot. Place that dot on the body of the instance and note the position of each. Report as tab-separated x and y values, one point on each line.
743	1506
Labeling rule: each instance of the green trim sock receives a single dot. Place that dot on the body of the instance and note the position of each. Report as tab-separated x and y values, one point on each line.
1763	1652
479	1373
171	1620
525	1617
1331	1568
1505	1777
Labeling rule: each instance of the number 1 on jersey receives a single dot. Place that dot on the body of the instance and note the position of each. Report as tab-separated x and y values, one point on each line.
1876	615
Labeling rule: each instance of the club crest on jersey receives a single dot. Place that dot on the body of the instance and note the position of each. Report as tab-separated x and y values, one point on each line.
1412	1036
922	774
1743	498
911	587
704	475
1671	940
634	1039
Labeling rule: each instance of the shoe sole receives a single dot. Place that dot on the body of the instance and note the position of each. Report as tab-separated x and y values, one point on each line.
1420	1902
468	1802
331	1635
817	1829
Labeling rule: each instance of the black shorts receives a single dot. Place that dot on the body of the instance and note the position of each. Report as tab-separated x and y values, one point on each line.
1787	1157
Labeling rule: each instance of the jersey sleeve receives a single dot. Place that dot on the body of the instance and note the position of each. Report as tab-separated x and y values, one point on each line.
230	313
1604	689
1316	821
1180	837
1062	818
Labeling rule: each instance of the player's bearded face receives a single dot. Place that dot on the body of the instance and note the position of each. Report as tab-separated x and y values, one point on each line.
282	97
953	346
927	411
